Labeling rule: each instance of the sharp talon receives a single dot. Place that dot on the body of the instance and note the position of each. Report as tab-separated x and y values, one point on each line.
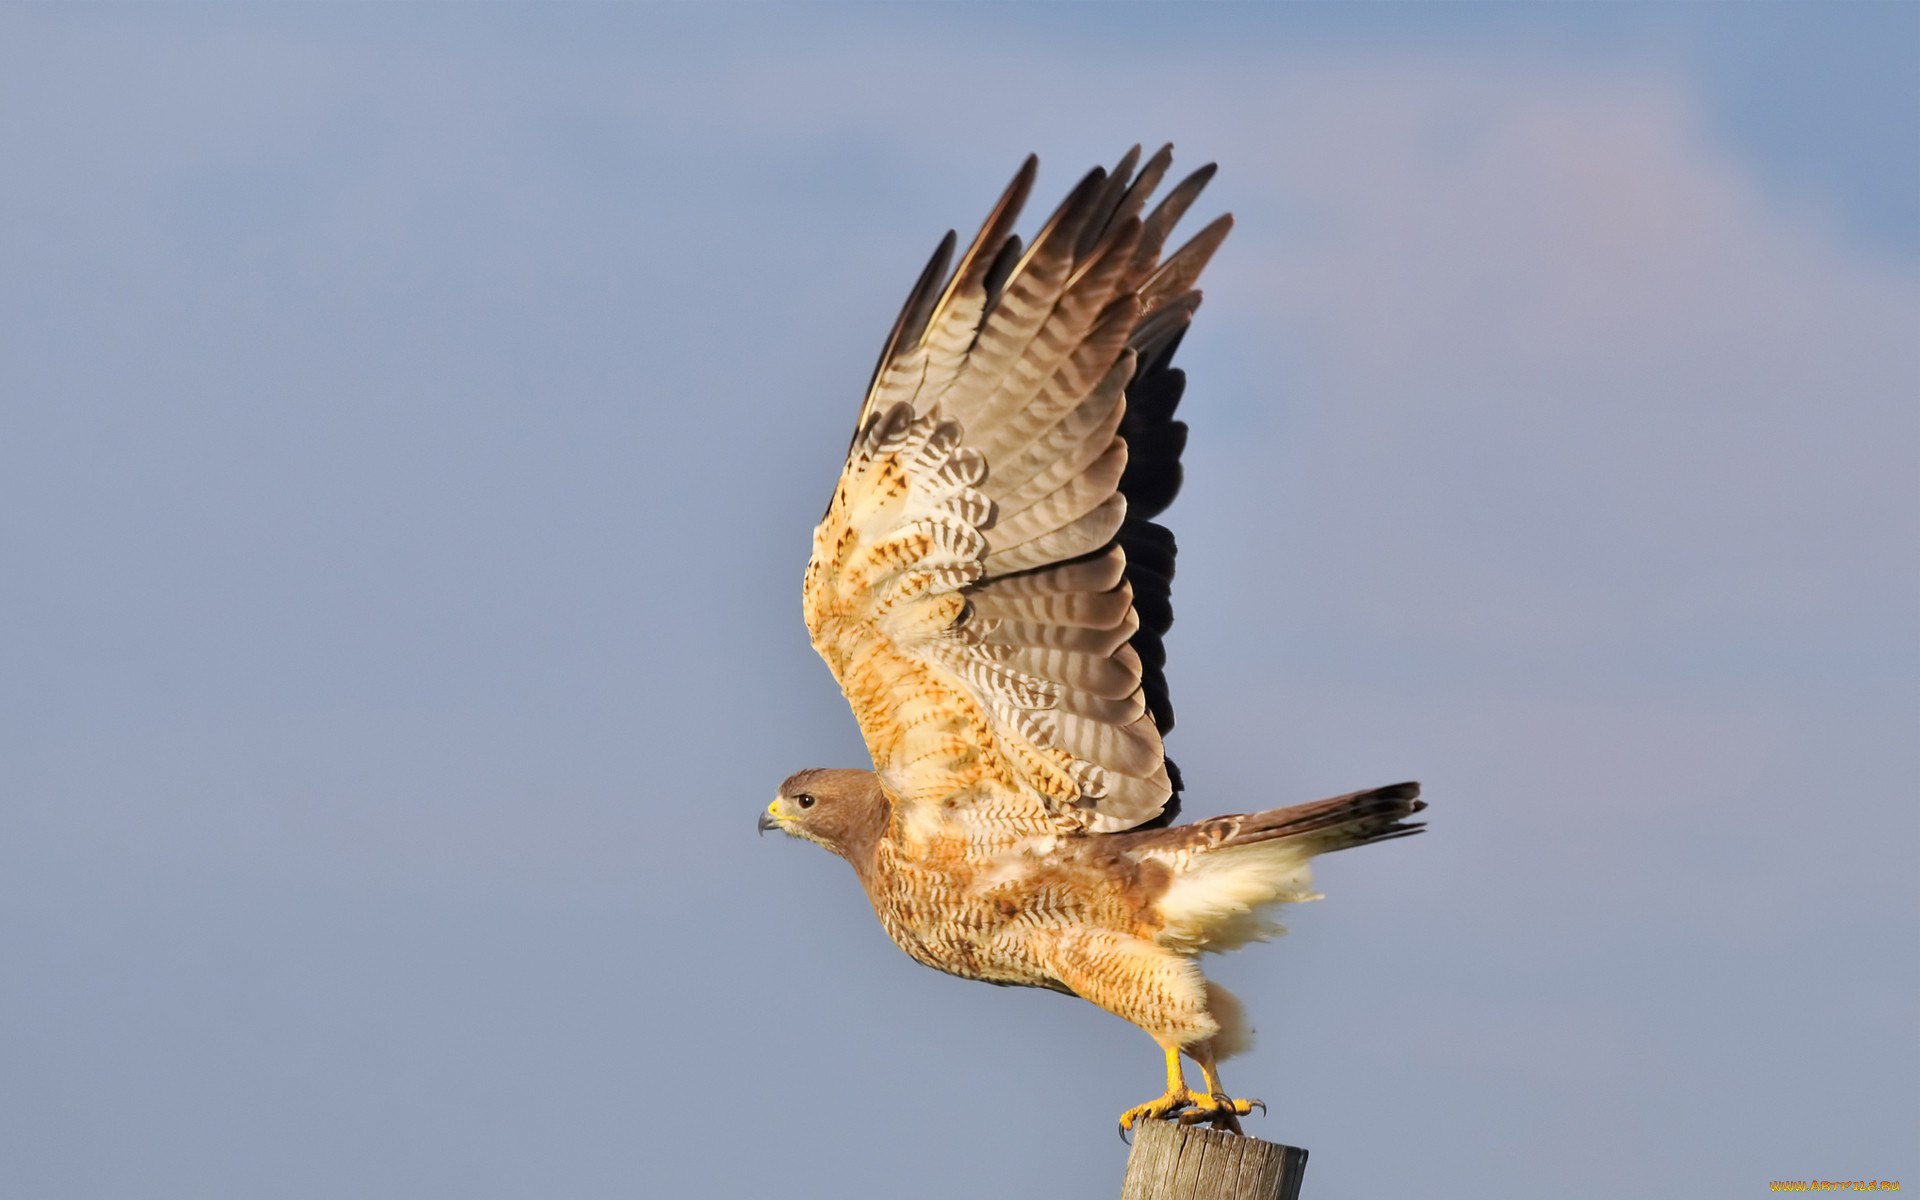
1123	1134
1261	1103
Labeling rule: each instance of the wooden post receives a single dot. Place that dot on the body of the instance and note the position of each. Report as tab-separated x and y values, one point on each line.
1171	1161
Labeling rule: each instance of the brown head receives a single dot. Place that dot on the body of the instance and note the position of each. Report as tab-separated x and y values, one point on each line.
845	811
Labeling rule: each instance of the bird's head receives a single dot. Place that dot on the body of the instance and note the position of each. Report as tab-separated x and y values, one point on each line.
845	811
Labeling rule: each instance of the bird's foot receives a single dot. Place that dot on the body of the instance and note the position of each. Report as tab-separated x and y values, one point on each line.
1191	1108
1222	1112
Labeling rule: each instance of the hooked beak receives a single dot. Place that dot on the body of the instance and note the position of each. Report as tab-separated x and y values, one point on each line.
768	821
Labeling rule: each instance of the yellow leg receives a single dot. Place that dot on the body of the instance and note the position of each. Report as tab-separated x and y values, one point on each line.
1176	1098
1222	1110
1160	991
1187	1106
1212	1076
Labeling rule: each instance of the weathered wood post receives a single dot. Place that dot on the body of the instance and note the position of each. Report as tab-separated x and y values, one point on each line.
1171	1161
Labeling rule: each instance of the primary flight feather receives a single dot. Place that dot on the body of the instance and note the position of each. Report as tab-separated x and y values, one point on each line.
990	589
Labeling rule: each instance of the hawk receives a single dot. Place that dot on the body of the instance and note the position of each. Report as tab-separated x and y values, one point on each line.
991	591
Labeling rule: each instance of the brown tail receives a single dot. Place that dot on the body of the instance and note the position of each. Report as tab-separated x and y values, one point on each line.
1355	819
1229	872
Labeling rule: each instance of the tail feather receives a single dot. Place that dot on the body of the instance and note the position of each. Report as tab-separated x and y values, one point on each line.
1228	870
1355	819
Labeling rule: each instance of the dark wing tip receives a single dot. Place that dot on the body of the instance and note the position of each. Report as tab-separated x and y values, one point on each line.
912	321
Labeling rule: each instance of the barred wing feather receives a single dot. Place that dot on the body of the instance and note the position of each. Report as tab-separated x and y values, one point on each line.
988	585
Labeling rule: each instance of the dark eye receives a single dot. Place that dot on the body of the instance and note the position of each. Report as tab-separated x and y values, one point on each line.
803	800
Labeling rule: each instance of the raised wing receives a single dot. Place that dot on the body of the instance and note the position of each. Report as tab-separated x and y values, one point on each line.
987	584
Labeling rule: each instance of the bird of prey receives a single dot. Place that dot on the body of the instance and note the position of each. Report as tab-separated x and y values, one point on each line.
991	591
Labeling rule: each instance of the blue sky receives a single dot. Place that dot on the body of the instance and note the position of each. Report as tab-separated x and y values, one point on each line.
412	419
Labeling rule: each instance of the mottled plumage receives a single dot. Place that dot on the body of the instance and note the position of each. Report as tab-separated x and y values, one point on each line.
990	590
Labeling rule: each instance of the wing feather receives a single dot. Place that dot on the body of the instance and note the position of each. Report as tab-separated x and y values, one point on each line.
1057	453
987	584
1074	638
1082	535
1072	499
1098	574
